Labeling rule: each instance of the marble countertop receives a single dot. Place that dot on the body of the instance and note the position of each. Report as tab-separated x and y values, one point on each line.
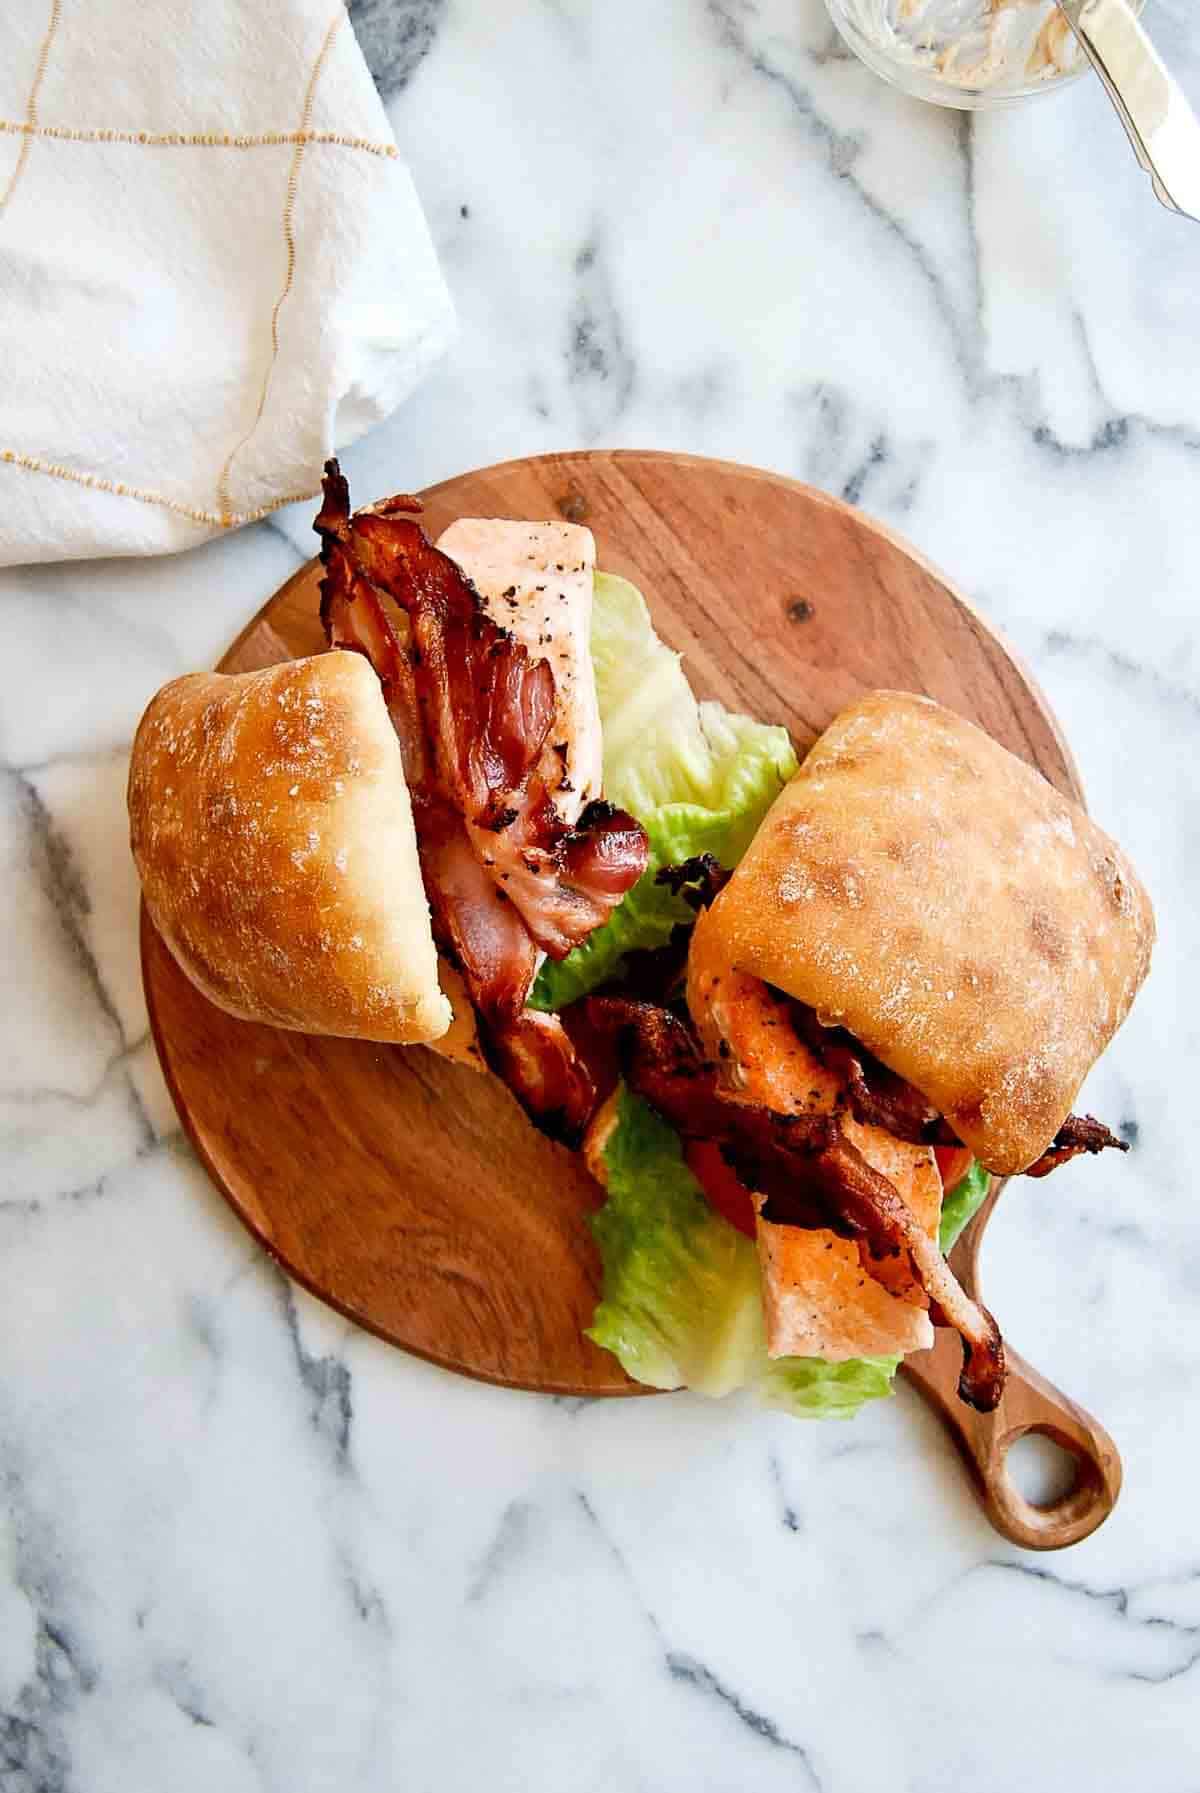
242	1545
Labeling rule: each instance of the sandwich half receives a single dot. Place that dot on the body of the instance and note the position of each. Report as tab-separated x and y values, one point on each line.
386	841
272	829
853	1030
851	972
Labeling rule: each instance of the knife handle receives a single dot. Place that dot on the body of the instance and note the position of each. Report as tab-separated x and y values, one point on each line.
1158	120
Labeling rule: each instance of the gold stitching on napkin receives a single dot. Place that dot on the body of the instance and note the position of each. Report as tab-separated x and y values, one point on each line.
95	482
39	76
289	207
13	127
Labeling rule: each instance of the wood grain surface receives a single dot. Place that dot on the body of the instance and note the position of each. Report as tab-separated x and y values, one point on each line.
1030	1403
412	1194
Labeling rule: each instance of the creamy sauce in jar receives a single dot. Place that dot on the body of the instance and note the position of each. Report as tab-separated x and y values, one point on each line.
976	44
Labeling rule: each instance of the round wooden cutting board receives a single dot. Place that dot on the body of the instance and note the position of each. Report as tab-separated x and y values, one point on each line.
413	1195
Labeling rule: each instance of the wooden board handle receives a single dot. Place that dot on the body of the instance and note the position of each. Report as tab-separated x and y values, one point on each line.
1029	1404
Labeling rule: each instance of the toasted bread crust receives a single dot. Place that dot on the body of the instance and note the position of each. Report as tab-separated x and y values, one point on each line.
272	830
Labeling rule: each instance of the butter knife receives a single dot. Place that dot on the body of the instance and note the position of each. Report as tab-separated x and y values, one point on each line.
1159	121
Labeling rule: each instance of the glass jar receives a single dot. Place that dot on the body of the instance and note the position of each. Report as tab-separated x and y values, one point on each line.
963	53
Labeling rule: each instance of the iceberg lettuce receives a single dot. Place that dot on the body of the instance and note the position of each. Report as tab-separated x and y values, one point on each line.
698	778
961	1204
810	1388
681	1304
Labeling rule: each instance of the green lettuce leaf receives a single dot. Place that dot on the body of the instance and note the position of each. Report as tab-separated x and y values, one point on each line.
961	1204
810	1388
698	778
681	1304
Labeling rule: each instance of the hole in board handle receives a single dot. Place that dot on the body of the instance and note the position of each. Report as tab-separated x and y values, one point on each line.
1041	1470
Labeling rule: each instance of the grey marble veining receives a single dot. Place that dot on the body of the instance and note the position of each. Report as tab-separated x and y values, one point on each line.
244	1546
395	36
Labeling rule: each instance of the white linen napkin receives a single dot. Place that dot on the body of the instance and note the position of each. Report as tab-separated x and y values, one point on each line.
213	267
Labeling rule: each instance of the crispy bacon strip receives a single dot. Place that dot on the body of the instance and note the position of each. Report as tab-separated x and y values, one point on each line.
500	704
570	887
809	1172
879	1098
541	1065
332	521
699	880
487	707
353	617
472	922
1078	1133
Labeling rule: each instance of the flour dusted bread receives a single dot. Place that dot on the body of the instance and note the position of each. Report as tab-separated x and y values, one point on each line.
923	888
272	830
